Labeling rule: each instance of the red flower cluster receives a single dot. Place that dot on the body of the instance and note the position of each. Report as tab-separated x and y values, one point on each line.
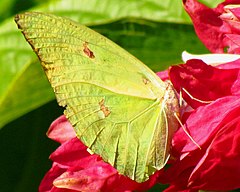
212	94
214	126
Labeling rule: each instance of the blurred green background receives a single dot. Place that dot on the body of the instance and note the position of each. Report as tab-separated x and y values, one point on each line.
155	32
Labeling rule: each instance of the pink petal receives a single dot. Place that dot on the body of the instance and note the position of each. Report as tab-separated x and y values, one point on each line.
55	189
207	25
202	81
232	41
90	179
61	130
236	11
73	153
163	75
215	166
219	168
233	65
47	182
230	16
203	123
180	184
178	173
212	25
230	65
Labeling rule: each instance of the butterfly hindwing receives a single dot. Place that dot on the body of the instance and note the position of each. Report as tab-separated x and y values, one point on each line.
115	103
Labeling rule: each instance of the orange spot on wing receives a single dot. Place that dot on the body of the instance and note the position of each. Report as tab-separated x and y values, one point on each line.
103	108
145	81
87	51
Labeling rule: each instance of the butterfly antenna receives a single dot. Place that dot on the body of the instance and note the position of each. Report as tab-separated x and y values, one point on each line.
200	101
90	151
180	98
185	130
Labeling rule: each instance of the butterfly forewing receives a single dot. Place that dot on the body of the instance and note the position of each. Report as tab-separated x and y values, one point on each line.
115	103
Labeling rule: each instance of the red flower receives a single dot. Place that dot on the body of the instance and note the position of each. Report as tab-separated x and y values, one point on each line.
215	127
204	82
75	169
217	28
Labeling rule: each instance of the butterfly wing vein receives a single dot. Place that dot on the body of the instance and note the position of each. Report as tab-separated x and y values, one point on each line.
113	101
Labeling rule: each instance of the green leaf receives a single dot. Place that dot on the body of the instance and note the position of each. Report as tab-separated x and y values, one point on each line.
98	12
5	5
211	3
18	101
11	7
